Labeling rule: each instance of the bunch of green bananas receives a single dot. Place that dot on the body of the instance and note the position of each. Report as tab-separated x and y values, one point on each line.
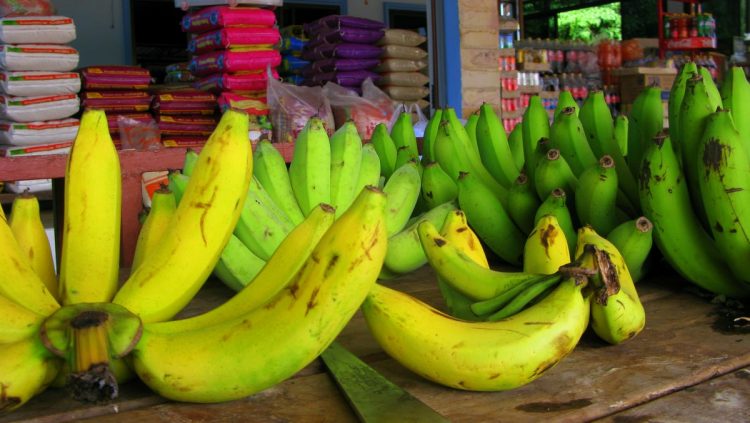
82	329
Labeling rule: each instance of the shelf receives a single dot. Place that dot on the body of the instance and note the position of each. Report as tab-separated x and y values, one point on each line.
530	89
695	43
510	94
511	115
508	25
534	67
506	52
509	74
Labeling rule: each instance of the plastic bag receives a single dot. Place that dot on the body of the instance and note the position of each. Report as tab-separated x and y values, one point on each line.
419	120
402	37
367	111
26	8
292	106
138	135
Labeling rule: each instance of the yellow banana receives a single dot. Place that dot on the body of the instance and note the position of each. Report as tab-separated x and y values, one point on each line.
281	338
18	322
478	356
163	206
26	224
90	257
26	368
169	278
546	248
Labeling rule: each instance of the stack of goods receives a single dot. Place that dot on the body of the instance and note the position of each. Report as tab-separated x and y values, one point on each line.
401	67
178	73
121	91
233	52
342	50
293	41
185	117
38	90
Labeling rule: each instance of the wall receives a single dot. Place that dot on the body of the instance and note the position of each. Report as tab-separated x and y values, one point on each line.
480	77
102	38
373	9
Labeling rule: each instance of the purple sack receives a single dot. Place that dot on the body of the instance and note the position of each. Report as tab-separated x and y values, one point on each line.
333	65
346	78
351	35
340	21
343	51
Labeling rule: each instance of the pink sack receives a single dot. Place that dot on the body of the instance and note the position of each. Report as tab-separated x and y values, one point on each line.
234	82
216	17
117	101
186	125
228	38
115	78
232	61
184	102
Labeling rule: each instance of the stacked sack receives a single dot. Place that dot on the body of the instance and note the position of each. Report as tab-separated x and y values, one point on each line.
342	50
185	116
402	65
293	41
233	50
39	91
178	73
122	92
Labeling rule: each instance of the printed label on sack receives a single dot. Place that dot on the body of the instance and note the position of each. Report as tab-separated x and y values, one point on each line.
20	22
38	100
39	50
40	77
38	126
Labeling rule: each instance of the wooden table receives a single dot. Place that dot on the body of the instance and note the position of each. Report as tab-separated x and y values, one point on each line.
682	367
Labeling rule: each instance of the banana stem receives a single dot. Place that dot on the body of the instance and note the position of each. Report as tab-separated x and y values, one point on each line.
91	378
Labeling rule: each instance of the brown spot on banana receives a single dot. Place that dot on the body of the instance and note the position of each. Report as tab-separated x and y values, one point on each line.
462	229
439	242
548	238
330	266
311	303
714	155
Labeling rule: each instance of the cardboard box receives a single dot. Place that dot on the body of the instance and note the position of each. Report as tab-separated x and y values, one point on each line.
634	80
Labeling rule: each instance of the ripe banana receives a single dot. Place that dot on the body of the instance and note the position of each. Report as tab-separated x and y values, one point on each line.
553	172
556	205
26	224
676	95
310	169
493	147
301	321
18	322
237	264
210	208
565	100
546	248
568	136
522	204
735	96
677	231
26	368
369	168
405	253
723	169
515	141
489	219
386	149
346	156
437	186
402	191
477	356
269	168
633	239
261	226
188	165
456	231
163	207
403	134
280	271
90	257
650	123
616	310
430	133
596	196
534	126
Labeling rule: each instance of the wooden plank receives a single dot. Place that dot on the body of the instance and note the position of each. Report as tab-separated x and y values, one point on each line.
479	59
726	398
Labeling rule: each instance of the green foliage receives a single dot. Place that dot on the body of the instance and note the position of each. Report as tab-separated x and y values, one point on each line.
591	23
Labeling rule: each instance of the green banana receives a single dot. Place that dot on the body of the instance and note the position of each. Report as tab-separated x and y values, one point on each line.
485	308
163	206
430	132
676	95
346	156
493	147
405	253
515	142
650	122
723	168
556	205
310	169
735	96
534	126
177	184
522	204
568	136
437	186
489	219
369	168
633	239
402	190
523	299
269	167
565	100
713	91
677	231
554	172
237	265
403	156
621	134
471	130
191	158
403	135
386	149
596	196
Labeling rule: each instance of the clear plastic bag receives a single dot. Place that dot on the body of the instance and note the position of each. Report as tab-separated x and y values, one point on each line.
26	8
291	106
367	111
419	120
139	135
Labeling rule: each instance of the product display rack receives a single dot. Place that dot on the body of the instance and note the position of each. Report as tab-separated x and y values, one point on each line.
689	44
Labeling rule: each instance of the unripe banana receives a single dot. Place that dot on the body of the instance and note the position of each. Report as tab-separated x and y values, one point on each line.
553	172
163	207
402	191
26	224
650	122
526	296
515	142
633	239
676	95
403	156
596	196
621	134
437	186
90	257
310	169
346	156
565	100
723	169
188	165
177	184
677	231
523	203
713	91
735	96
269	168
430	133
493	147
546	248
237	265
369	168
556	205
534	126
568	136
489	219
471	130
385	148
403	134
405	253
